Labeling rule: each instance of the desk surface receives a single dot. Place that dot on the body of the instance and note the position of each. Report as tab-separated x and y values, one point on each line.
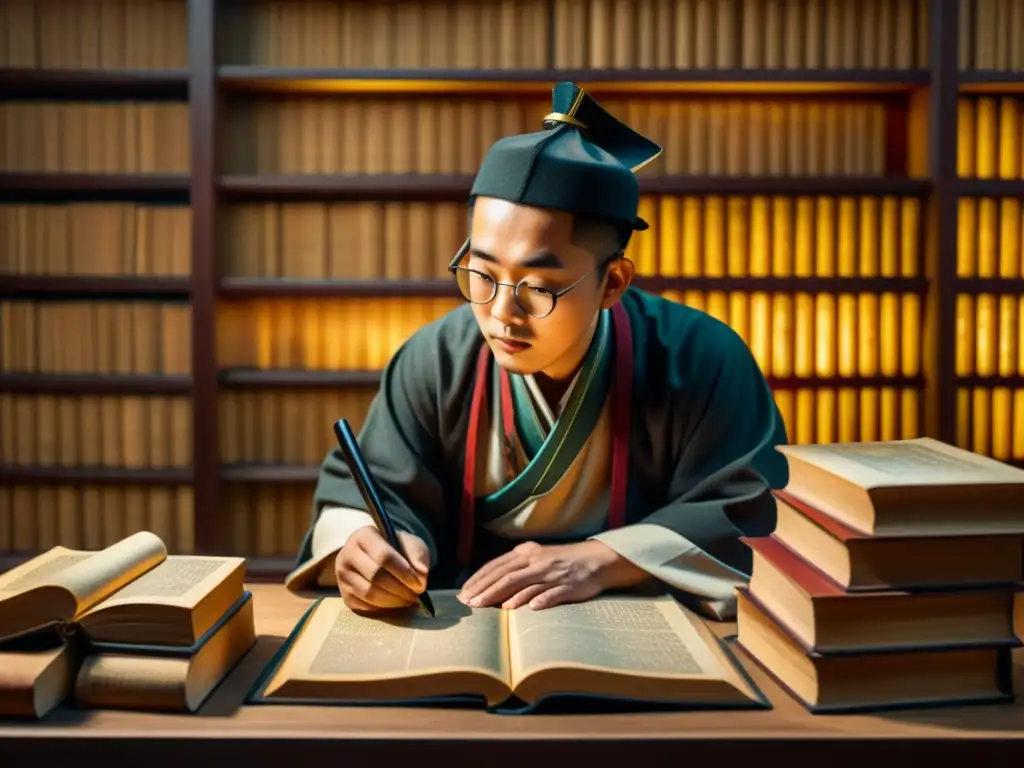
273	735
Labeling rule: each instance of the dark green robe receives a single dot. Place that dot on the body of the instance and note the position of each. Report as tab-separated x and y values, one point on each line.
702	442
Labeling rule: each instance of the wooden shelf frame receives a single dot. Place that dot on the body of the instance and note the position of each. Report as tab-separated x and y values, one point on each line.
94	384
107	287
66	187
279	378
991	187
94	84
991	81
250	288
997	285
64	475
447	188
269	79
207	84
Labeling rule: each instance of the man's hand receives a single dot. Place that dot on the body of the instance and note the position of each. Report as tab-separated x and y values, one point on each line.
545	576
373	576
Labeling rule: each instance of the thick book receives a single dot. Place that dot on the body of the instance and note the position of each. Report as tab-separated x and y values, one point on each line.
823	617
919	487
859	562
40	671
618	650
872	681
132	592
36	675
166	678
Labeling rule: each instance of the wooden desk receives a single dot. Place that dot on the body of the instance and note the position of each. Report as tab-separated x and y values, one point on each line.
225	733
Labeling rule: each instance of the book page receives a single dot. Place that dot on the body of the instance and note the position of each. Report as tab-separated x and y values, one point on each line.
921	461
340	644
179	580
41	571
638	635
95	578
88	576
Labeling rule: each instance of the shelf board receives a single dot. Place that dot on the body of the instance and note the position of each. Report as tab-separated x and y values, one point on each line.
774	284
990	81
94	475
269	473
998	285
268	79
301	379
990	187
259	287
93	287
93	384
453	187
238	378
94	84
250	288
142	187
792	383
989	382
345	187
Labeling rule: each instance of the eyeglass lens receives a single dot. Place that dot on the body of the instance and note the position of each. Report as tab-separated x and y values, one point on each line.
480	289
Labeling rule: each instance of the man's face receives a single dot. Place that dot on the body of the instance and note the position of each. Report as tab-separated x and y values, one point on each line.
509	243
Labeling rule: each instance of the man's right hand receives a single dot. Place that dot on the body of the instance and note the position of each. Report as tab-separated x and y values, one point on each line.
373	576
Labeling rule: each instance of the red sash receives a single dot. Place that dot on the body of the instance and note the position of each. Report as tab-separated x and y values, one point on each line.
621	394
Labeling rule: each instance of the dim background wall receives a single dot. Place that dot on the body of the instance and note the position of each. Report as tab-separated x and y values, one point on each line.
220	219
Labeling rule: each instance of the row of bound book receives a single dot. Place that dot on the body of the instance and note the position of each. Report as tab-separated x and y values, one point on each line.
127	627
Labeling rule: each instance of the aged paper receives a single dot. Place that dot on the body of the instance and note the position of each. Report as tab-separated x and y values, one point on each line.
635	635
341	644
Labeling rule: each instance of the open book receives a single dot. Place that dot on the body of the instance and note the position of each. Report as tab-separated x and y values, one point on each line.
639	649
132	592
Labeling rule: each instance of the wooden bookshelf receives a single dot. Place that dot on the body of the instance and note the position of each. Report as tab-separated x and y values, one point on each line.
214	85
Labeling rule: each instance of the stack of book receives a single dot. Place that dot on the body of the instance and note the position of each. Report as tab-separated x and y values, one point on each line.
890	579
128	627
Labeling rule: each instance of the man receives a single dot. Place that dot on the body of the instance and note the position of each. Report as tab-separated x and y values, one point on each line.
564	434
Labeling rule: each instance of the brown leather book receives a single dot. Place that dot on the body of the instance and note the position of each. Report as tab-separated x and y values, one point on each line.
859	562
873	682
825	618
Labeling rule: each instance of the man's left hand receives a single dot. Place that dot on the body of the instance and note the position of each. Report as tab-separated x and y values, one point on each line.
543	576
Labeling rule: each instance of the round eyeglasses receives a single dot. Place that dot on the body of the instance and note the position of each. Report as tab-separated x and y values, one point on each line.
480	288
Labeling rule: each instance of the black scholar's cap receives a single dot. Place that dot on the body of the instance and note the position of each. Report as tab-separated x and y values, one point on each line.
583	162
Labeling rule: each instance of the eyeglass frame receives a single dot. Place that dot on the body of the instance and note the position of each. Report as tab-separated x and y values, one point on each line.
555	296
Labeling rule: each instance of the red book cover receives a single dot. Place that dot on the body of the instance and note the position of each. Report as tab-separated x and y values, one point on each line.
809	579
819	586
